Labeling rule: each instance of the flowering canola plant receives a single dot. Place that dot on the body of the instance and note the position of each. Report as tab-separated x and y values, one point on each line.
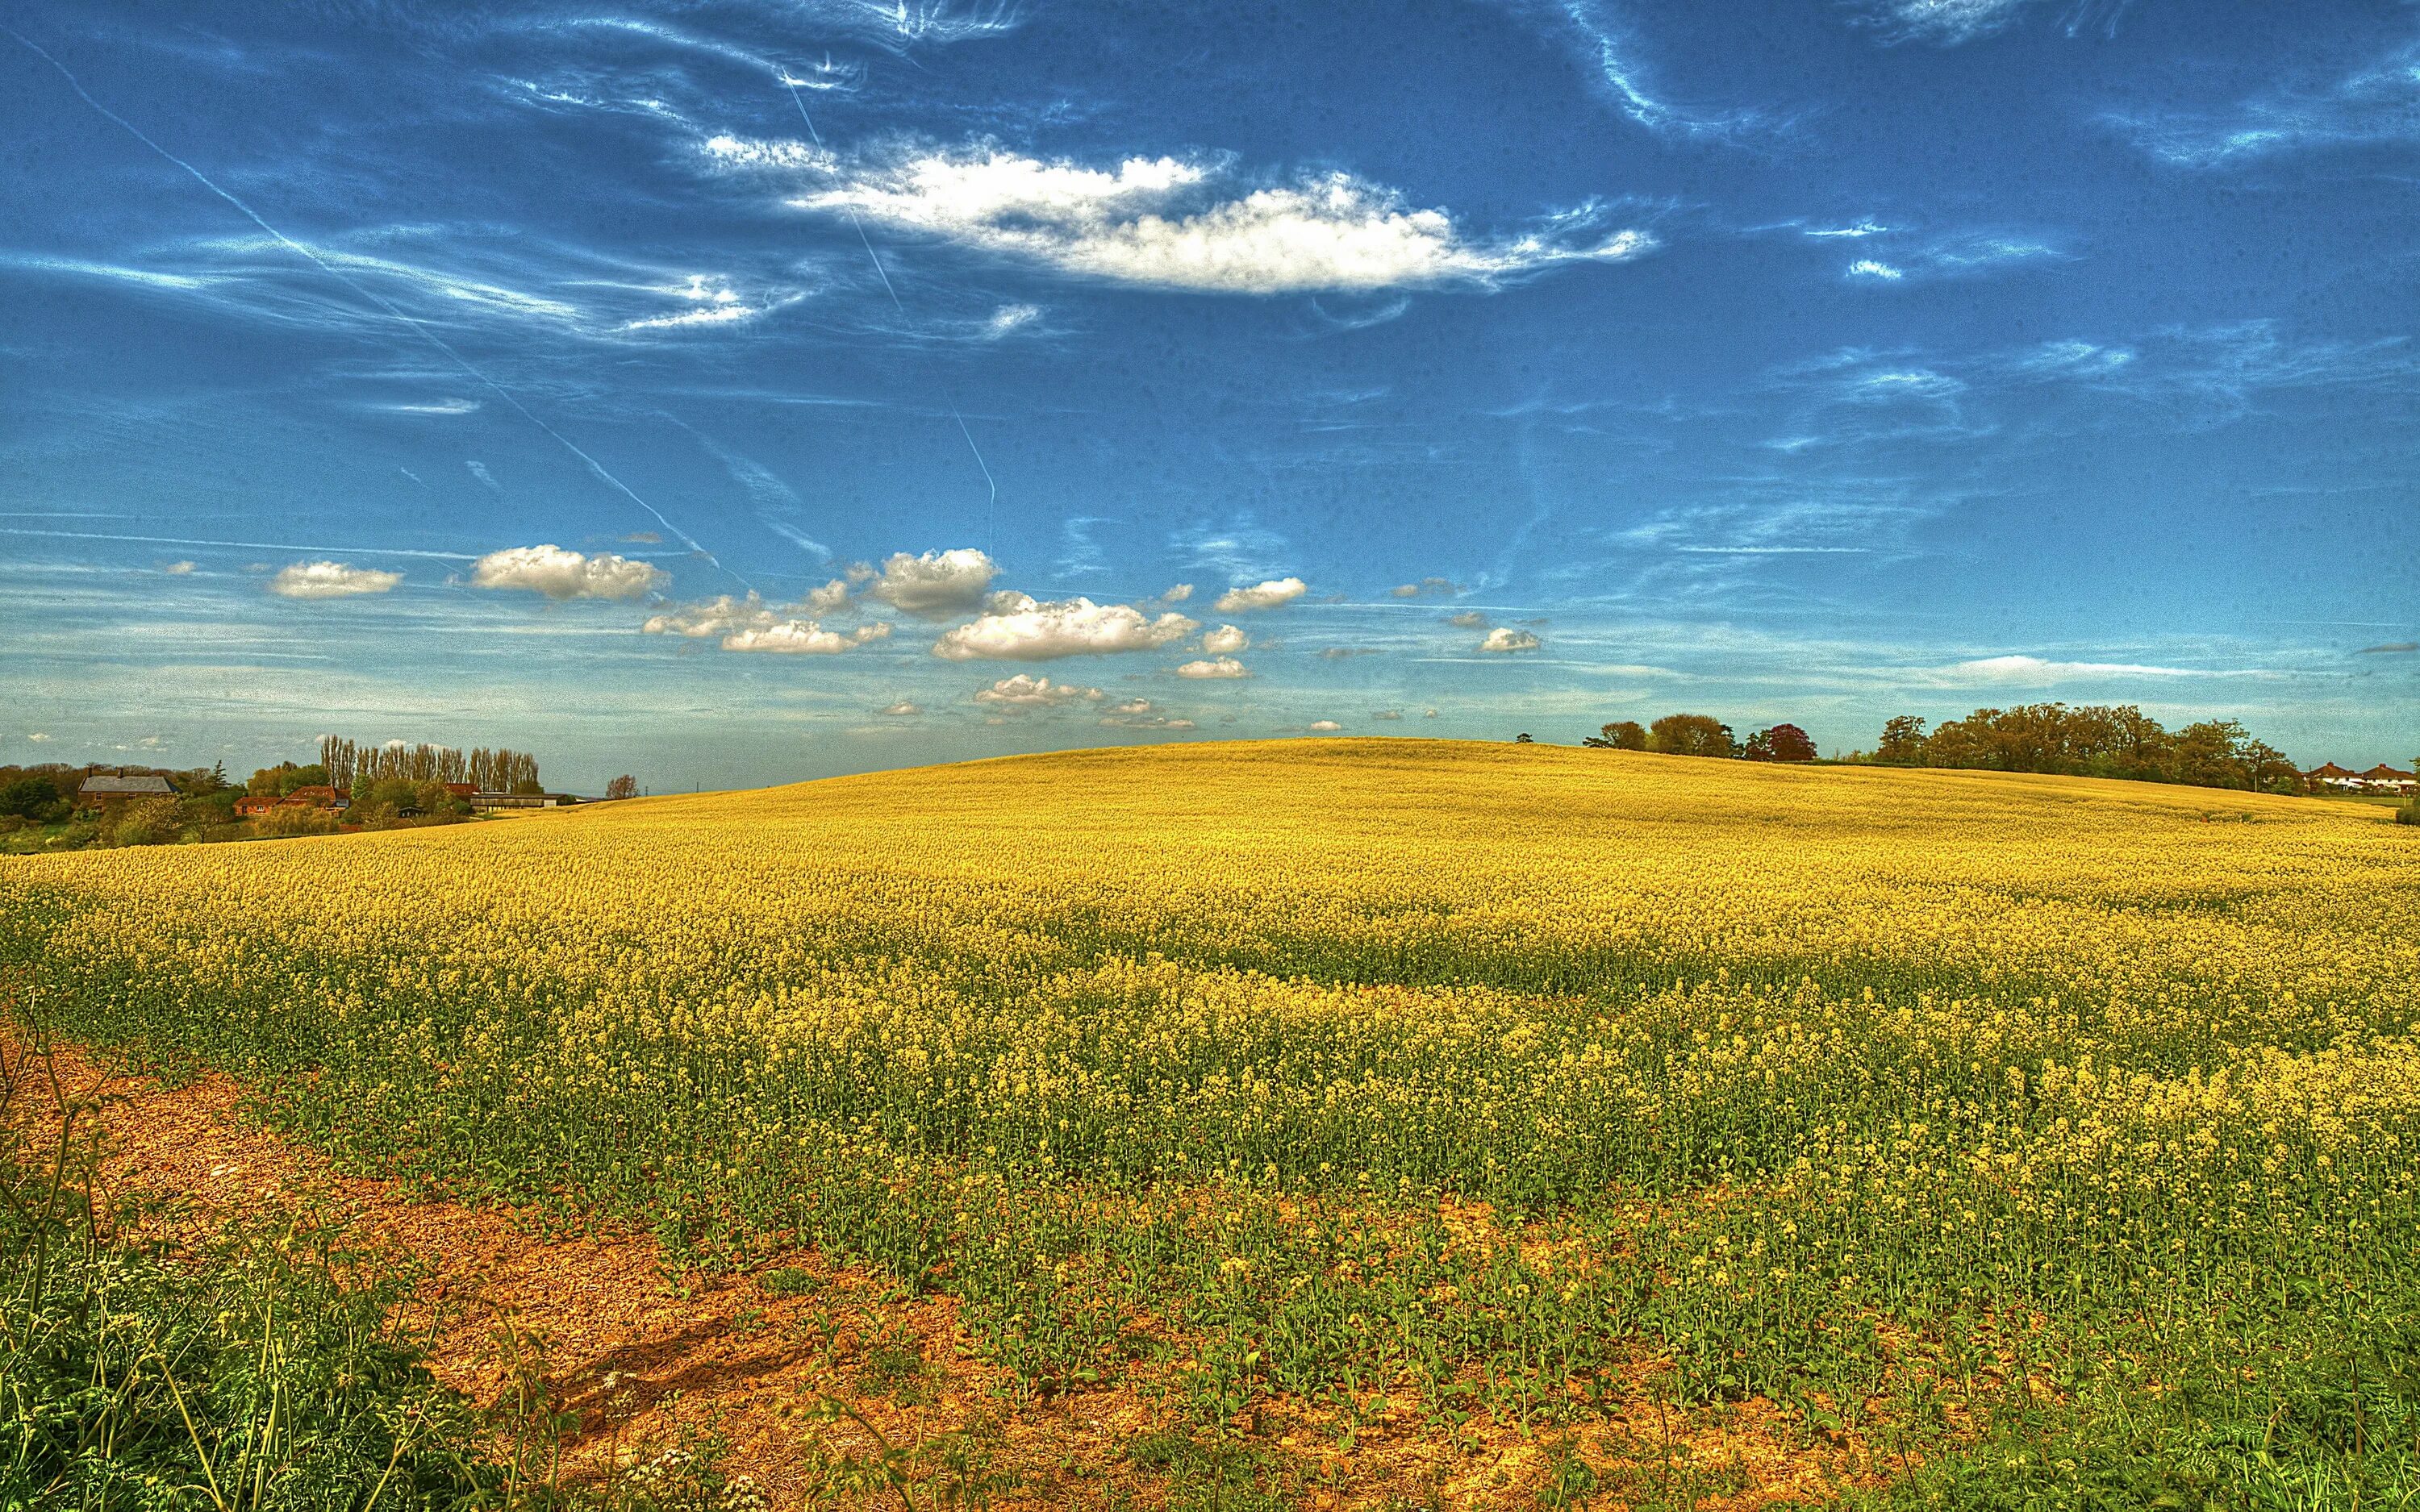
1488	1070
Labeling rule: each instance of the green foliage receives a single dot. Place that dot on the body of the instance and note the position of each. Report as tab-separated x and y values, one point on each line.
279	780
34	797
1691	734
260	1374
2091	740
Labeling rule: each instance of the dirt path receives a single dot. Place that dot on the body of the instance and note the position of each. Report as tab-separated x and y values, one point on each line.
636	1350
641	1353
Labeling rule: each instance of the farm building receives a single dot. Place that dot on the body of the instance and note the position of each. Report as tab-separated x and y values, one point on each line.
109	791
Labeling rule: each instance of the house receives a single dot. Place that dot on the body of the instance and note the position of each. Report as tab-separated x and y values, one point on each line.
2379	779
112	791
2385	778
252	806
318	797
489	802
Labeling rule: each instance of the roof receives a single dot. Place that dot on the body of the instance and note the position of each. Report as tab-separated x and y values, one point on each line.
129	786
2383	773
2332	769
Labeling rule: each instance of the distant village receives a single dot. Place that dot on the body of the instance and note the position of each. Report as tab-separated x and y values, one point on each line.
349	789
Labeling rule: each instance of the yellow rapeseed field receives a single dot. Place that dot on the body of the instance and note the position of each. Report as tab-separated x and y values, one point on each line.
1987	1111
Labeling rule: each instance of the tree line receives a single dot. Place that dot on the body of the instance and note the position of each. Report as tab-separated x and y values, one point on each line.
1702	735
2090	740
349	765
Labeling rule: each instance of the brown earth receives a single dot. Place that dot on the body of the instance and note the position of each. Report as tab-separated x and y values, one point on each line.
648	1356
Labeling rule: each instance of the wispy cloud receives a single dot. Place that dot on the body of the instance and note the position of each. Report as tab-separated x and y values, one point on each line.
2378	103
1949	23
1612	49
2021	671
1957	254
1188	224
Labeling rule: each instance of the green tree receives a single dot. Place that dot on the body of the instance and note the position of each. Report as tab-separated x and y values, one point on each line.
1691	734
34	798
1903	742
1623	735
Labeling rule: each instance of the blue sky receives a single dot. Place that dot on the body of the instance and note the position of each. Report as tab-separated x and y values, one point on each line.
731	392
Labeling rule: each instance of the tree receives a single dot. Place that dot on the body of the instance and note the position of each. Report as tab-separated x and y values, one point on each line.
34	798
1691	734
1523	739
1902	742
625	786
1782	743
1623	735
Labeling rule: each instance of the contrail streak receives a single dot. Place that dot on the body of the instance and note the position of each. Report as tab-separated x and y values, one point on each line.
991	509
371	295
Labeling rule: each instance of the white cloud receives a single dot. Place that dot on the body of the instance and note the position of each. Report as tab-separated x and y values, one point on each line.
2039	672
1270	594
1626	81
1226	640
1867	267
1470	619
804	638
1325	726
1505	638
330	579
2381	103
902	710
178	569
561	574
1857	232
1217	667
1177	594
714	616
1168	224
1016	628
1009	318
741	153
829	600
38	736
1426	588
1154	721
1387	714
1947	23
1131	707
934	586
1027	692
711	302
